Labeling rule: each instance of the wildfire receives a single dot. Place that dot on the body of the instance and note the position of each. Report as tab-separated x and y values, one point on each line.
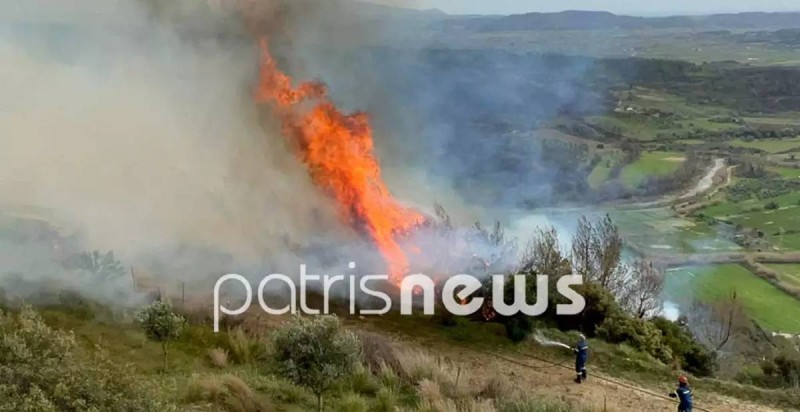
338	150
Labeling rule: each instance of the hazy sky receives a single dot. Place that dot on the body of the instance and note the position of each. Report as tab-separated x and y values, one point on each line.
635	7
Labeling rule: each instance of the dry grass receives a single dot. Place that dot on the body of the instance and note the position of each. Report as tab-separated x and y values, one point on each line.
218	358
450	405
497	387
432	399
418	366
243	349
386	400
227	392
377	350
429	390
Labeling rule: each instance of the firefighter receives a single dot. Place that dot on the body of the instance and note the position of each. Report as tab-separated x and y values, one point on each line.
581	356
684	395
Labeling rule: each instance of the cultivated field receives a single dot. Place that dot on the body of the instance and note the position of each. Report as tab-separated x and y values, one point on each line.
657	231
651	164
788	273
769	145
773	309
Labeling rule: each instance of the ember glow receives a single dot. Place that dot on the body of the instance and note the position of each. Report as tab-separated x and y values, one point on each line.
338	150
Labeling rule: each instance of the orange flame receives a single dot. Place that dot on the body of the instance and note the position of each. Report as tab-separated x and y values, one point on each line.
338	150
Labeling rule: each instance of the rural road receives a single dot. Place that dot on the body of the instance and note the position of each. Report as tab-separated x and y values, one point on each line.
704	184
707	181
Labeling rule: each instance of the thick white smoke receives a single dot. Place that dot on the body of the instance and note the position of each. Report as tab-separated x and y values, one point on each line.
144	139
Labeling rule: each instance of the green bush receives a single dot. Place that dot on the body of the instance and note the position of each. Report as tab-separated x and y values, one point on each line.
351	403
600	305
693	356
315	353
227	393
43	369
517	327
789	369
161	324
638	333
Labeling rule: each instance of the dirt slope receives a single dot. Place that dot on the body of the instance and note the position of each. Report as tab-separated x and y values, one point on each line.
549	381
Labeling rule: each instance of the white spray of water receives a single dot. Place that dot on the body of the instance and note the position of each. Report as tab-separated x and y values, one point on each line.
548	342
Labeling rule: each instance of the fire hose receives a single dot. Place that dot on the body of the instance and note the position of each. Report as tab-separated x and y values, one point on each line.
562	364
553	364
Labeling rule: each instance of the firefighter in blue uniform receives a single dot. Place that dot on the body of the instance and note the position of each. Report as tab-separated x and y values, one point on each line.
581	356
684	395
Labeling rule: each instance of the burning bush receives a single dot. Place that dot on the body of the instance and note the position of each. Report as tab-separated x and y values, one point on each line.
338	150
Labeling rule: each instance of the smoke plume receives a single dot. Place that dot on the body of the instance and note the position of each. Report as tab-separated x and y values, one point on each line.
131	124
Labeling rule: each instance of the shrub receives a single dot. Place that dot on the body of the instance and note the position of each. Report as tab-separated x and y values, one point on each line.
281	390
693	356
351	403
517	327
388	377
43	369
416	367
377	350
386	400
241	347
638	333
228	392
772	206
161	324
363	382
789	369
497	387
218	358
600	305
315	353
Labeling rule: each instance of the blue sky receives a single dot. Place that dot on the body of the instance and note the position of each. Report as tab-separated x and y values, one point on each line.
634	7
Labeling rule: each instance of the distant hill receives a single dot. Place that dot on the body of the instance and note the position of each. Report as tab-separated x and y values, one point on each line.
596	20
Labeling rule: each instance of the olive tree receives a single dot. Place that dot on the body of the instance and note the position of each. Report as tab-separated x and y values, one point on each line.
161	324
45	369
315	352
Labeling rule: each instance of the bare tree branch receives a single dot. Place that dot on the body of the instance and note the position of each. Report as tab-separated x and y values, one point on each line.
716	324
642	290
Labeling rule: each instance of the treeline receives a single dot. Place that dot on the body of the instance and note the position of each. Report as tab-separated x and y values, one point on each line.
623	304
761	186
623	298
746	133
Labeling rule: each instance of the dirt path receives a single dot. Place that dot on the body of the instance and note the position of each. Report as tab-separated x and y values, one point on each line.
557	381
707	181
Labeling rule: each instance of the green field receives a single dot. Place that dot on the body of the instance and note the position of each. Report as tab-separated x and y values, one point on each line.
658	231
788	241
771	221
598	176
650	164
773	309
787	172
727	209
602	171
788	273
769	145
